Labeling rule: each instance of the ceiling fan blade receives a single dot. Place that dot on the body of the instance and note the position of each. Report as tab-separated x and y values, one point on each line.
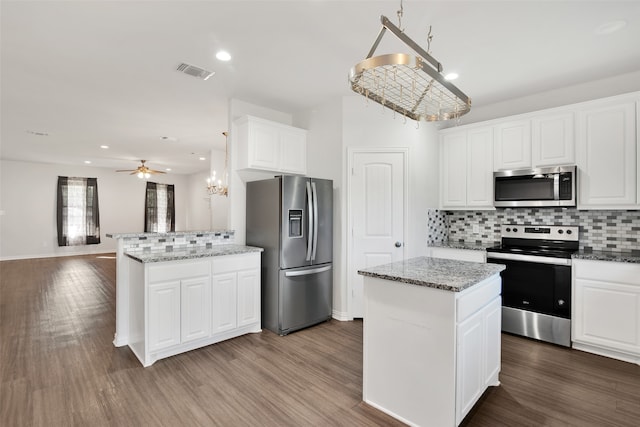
155	171
126	170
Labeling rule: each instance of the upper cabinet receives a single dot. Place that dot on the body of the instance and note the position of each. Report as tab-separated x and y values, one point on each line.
270	146
553	140
512	145
467	169
607	155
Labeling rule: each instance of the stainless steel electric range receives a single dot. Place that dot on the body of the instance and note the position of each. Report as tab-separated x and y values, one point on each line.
536	285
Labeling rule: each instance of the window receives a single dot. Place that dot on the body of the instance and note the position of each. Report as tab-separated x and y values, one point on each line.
78	217
159	207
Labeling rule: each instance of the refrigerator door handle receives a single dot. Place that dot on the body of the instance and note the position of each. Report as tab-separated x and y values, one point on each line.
307	272
315	220
310	222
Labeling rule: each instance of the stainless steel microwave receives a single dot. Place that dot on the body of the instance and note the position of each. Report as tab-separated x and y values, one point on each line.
542	187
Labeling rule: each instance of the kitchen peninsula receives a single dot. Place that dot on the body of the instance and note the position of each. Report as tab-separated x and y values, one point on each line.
183	290
431	338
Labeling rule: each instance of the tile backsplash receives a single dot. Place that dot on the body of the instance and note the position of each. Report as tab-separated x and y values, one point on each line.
617	231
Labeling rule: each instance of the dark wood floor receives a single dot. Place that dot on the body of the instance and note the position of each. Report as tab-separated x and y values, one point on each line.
59	367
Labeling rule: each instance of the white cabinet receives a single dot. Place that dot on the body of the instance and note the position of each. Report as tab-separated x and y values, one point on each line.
607	155
512	145
248	297
177	306
270	146
195	308
236	292
164	314
553	140
606	308
458	254
478	361
467	169
225	296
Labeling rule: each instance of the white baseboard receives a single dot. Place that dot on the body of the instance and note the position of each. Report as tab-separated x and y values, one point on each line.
341	316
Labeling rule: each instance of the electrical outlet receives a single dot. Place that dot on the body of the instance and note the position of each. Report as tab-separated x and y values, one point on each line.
476	229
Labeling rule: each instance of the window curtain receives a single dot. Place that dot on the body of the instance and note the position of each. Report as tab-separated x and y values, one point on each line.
78	216
159	207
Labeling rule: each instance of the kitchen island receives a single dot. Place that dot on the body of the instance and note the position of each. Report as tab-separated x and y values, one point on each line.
431	338
177	292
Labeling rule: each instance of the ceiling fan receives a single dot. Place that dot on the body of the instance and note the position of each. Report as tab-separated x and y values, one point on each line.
142	171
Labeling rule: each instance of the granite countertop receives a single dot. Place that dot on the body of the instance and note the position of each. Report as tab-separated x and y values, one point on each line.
607	256
473	246
445	274
191	253
168	233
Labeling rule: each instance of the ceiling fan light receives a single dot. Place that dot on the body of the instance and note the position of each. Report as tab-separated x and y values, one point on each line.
147	175
140	175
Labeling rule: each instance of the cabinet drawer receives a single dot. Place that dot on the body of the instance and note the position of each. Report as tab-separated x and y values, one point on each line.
478	297
177	270
606	271
234	263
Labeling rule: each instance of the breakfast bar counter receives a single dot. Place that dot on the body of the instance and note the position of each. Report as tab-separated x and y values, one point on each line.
431	338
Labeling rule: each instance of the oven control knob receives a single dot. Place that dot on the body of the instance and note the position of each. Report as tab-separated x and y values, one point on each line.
515	230
508	229
560	232
568	231
560	302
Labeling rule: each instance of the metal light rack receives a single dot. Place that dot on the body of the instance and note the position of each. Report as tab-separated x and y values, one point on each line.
410	85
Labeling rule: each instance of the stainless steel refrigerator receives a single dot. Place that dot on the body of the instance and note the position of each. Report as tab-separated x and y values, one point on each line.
291	217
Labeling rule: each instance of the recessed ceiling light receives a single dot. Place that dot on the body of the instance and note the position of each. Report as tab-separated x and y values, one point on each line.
203	158
223	55
88	162
168	169
610	27
104	147
451	76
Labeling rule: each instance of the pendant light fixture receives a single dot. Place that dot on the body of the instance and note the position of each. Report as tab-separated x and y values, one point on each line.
408	84
215	185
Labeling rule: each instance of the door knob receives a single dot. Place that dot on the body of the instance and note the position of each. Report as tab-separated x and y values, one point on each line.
398	244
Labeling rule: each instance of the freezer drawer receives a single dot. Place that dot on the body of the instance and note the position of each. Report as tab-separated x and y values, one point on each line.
306	297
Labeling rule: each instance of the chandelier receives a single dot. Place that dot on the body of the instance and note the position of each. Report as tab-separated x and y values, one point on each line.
410	85
215	185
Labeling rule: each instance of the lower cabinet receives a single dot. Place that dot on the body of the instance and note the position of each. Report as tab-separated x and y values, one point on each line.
478	361
177	306
606	308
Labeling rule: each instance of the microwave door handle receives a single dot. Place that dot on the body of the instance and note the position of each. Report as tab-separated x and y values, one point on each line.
314	191
556	186
309	222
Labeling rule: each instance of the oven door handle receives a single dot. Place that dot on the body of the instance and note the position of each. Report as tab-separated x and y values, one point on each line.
529	258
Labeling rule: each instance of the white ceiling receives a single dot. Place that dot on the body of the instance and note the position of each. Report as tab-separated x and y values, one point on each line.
88	73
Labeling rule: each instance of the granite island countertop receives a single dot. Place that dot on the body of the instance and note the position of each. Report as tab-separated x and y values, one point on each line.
445	274
472	246
191	253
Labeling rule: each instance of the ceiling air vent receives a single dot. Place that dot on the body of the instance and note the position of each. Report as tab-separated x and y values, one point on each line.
194	71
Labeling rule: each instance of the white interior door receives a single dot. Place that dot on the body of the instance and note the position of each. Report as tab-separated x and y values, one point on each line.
377	206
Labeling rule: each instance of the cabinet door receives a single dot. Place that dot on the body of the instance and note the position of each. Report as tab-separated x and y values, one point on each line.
553	140
480	167
224	300
607	314
195	308
470	380
492	319
454	170
264	146
607	157
164	314
512	145
248	297
293	146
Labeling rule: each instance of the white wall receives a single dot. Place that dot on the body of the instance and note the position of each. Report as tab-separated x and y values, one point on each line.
28	207
615	85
